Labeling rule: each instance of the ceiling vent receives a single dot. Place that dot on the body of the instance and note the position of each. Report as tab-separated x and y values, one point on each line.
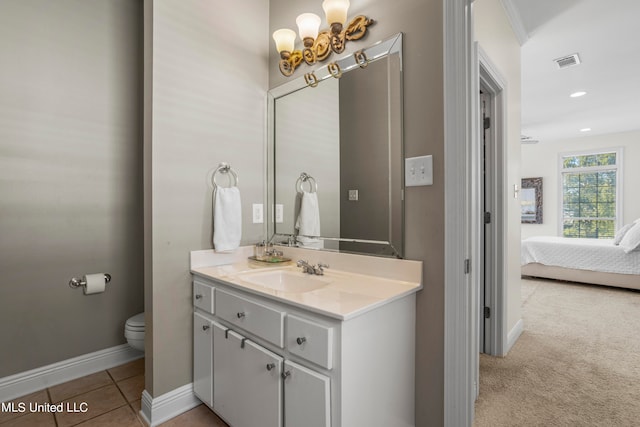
568	61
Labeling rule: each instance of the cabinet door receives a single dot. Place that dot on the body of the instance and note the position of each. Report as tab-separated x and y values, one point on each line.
247	385
203	358
307	400
261	383
225	386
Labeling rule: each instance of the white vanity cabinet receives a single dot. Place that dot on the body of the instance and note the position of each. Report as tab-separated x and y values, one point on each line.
259	361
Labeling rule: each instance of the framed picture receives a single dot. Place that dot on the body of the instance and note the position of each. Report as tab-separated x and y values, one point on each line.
531	200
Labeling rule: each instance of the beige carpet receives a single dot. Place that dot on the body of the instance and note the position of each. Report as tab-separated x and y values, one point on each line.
577	363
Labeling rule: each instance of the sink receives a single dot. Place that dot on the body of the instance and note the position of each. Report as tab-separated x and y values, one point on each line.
285	281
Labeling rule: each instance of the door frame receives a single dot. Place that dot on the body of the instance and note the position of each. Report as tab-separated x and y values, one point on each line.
461	89
491	79
460	317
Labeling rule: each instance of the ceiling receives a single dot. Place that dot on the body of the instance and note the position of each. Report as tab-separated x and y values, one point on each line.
605	35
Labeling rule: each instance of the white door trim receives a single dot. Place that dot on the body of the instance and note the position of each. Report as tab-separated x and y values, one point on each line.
460	343
492	79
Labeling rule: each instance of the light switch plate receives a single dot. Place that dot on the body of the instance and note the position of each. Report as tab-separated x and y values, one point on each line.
418	171
258	213
279	213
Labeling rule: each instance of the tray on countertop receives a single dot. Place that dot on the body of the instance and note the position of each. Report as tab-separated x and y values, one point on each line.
269	261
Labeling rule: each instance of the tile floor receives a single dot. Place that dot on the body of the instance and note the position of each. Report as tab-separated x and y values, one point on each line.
112	398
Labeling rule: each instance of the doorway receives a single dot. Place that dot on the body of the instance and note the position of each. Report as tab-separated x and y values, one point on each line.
492	210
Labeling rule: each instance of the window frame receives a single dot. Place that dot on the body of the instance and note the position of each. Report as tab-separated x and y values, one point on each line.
619	151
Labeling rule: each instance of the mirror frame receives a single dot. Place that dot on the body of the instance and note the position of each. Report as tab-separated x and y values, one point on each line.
347	62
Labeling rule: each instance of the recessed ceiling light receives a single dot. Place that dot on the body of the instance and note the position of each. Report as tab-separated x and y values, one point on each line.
578	94
585	130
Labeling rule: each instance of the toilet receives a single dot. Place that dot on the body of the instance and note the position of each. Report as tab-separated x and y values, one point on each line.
134	331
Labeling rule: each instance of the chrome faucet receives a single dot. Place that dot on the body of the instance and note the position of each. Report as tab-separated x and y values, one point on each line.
317	269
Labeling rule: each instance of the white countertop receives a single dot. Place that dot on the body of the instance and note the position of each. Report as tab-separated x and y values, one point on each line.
346	294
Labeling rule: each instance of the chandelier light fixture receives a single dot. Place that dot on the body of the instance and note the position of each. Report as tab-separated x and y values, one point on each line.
319	45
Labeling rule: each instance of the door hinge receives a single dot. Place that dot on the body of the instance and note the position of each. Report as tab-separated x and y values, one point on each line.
487	217
467	266
487	123
487	312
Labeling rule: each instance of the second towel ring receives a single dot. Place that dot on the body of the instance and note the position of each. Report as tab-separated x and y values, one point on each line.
305	177
224	168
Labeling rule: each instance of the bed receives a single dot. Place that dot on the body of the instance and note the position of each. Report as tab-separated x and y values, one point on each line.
595	261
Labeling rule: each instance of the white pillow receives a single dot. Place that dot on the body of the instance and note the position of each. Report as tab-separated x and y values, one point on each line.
621	233
631	240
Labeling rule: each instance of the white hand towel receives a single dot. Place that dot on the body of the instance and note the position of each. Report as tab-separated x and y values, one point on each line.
227	219
308	222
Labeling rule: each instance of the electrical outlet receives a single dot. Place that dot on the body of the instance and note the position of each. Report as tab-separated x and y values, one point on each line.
418	171
279	213
258	213
353	195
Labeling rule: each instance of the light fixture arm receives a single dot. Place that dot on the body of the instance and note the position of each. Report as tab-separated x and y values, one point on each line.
326	42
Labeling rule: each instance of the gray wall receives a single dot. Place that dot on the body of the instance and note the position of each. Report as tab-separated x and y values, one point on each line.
70	176
364	156
422	23
205	103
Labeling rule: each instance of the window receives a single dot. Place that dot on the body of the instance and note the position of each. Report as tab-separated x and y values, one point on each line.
590	193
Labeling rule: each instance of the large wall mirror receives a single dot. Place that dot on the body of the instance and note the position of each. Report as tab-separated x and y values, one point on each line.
335	156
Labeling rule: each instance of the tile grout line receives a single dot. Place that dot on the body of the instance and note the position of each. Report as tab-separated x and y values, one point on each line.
99	415
125	397
81	393
55	420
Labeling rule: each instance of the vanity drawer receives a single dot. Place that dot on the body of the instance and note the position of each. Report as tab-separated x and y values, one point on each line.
203	296
265	322
310	340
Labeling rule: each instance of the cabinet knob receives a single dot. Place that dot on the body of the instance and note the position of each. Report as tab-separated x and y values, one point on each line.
198	296
205	327
301	340
285	374
240	314
270	366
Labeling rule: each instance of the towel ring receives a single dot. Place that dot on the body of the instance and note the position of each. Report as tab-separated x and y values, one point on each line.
224	168
305	177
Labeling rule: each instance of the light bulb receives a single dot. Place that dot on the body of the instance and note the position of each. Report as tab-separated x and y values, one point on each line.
308	25
336	11
285	40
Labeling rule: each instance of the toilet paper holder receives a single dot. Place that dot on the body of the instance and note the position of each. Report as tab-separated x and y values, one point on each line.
80	283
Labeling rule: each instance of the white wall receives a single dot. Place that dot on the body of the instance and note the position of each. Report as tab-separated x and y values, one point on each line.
205	103
541	160
495	36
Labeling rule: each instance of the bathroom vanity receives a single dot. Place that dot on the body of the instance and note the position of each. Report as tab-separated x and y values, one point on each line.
274	346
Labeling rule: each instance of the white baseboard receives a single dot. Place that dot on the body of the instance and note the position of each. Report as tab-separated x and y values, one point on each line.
514	334
156	410
28	382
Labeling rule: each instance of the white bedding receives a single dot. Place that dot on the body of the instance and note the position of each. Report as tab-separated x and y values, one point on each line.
581	254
